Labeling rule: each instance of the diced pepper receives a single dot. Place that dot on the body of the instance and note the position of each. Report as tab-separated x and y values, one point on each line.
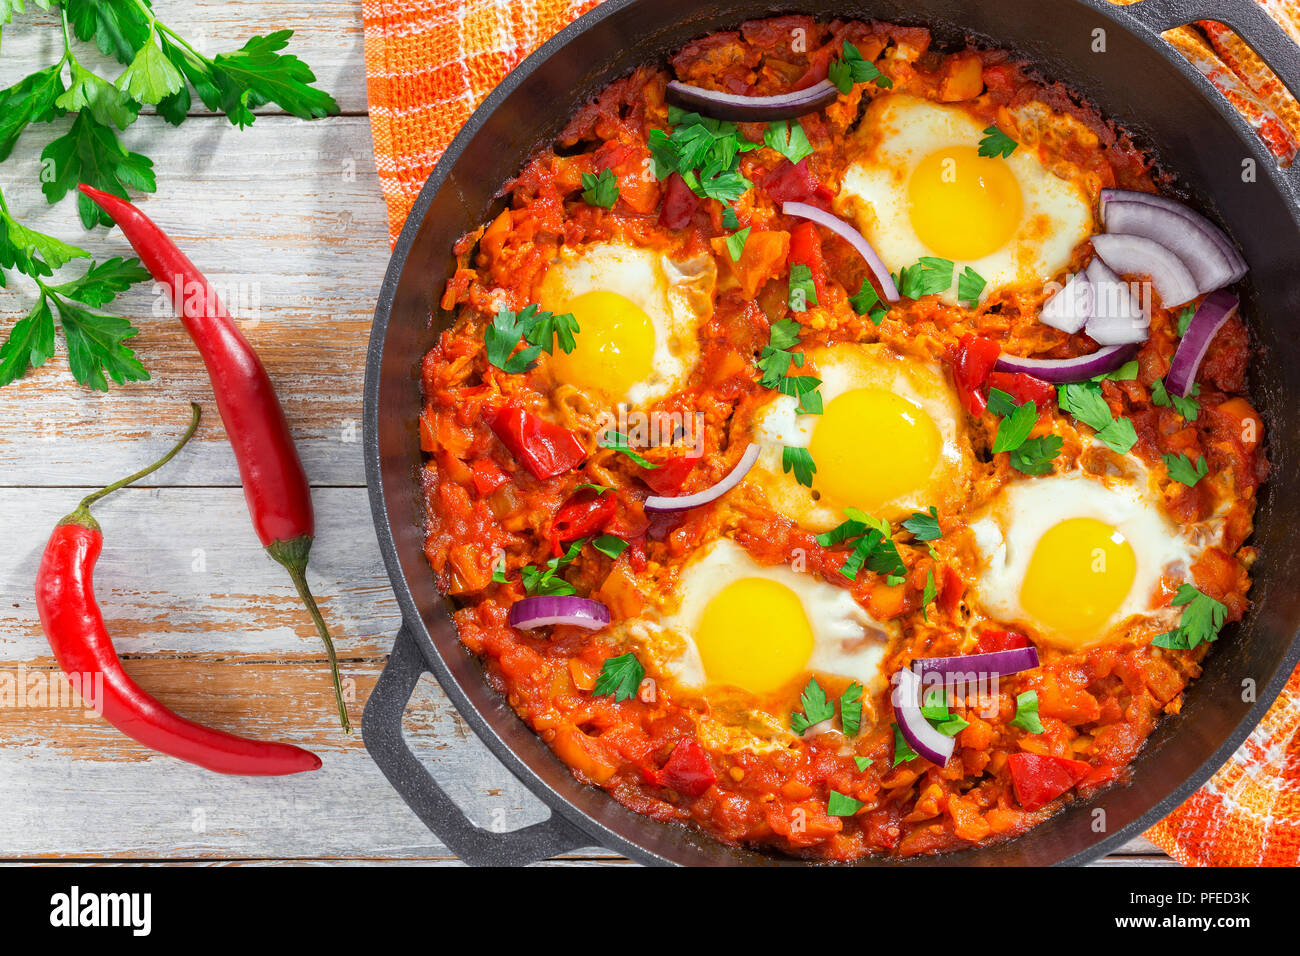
763	258
806	250
1038	779
794	182
687	771
679	203
581	516
487	476
963	77
972	364
669	477
991	640
1023	387
544	448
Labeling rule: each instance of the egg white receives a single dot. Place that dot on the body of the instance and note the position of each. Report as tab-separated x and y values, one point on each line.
898	132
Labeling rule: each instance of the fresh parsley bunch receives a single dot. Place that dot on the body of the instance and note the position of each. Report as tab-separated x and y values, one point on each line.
162	70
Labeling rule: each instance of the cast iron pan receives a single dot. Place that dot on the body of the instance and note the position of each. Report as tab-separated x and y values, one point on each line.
1137	79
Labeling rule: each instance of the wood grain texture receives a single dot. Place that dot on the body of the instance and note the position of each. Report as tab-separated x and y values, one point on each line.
288	216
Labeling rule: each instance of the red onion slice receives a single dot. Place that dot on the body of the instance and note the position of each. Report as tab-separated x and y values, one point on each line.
1070	306
1140	256
1064	371
1210	315
540	611
1117	318
930	743
733	478
992	664
1195	219
850	235
730	106
1209	265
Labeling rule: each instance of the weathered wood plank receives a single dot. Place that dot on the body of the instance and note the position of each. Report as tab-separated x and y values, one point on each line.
285	215
327	36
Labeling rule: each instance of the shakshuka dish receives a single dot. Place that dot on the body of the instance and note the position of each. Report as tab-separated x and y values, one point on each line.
842	445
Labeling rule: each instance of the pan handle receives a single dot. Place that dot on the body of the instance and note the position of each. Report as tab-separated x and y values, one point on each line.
1248	19
381	729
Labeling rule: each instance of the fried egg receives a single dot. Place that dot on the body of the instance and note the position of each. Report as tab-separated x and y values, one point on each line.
917	186
889	439
637	312
765	629
1071	558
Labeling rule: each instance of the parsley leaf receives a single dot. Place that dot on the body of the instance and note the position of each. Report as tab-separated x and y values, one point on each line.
619	676
1027	713
803	291
257	74
30	100
816	707
798	460
104	281
935	709
855	68
1188	407
924	527
862	762
839	805
788	139
873	545
1185	319
150	77
1084	400
866	301
903	753
1181	468
609	545
929	593
91	153
600	190
930	275
996	143
618	442
108	105
736	243
1014	430
1036	455
970	286
804	388
729	220
94	341
30	343
1203	618
851	709
539	329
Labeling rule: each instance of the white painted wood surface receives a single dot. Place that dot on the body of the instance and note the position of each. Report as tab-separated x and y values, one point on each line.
288	213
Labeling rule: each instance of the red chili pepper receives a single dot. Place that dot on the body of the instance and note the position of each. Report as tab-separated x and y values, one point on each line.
794	182
669	476
1038	779
487	476
806	250
275	485
74	626
679	203
1024	387
687	771
972	364
580	516
544	448
991	640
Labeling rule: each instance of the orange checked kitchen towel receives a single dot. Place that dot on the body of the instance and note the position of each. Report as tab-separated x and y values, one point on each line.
429	63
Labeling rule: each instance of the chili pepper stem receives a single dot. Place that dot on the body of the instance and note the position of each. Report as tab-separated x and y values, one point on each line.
293	556
82	515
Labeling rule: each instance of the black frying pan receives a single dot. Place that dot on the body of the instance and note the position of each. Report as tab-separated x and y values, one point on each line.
1140	81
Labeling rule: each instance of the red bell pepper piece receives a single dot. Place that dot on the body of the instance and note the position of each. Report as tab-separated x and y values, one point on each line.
580	516
687	771
991	640
544	448
679	203
669	477
972	364
1023	387
806	250
951	590
1038	779
487	476
794	182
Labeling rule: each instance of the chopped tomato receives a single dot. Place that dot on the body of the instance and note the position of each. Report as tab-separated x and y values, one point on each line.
580	516
1023	387
679	203
487	476
668	477
972	364
951	590
687	771
544	448
794	182
991	640
806	249
1038	779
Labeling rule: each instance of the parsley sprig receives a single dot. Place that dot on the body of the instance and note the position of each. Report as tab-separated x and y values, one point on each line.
872	541
619	677
1085	402
600	190
996	143
1026	717
854	68
162	70
1203	618
1030	456
704	152
1188	407
539	329
776	360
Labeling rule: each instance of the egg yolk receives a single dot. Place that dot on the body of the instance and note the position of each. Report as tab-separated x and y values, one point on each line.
754	634
616	344
963	205
1079	575
872	447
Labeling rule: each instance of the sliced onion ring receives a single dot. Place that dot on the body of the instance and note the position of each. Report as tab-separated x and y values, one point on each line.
1204	259
1070	306
733	478
932	744
992	664
850	235
540	611
1217	235
1064	371
731	106
1140	256
1217	308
